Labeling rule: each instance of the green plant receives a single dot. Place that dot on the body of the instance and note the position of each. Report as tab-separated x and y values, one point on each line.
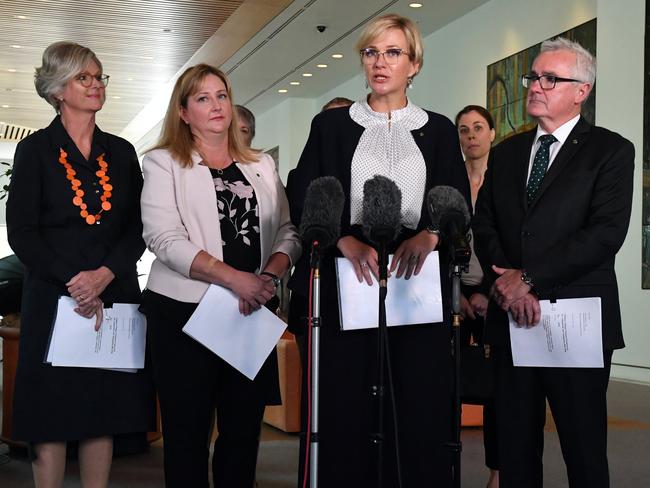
4	191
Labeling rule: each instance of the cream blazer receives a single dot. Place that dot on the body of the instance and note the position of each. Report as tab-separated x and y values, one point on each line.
180	218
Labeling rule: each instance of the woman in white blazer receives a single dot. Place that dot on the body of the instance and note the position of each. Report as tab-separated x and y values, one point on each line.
214	211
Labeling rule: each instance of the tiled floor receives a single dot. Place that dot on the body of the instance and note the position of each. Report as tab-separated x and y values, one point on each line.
629	445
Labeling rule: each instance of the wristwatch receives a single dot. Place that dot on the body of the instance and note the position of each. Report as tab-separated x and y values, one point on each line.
274	278
525	277
433	230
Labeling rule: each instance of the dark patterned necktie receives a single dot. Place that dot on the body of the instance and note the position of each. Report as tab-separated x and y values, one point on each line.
540	164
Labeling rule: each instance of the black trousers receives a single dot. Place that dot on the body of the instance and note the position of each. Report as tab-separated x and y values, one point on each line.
190	380
577	398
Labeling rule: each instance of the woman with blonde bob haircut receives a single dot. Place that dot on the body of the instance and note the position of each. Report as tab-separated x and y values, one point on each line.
382	134
214	212
54	211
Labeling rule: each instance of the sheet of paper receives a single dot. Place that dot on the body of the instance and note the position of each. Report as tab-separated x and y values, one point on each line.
243	342
569	335
417	300
119	344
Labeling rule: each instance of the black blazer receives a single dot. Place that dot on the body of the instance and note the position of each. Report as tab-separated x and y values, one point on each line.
333	139
45	229
568	237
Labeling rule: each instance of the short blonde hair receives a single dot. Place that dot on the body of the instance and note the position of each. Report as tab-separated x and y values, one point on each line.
384	23
62	61
176	136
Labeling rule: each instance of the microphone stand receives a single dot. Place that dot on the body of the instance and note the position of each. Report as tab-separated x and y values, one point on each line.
384	364
379	389
456	445
315	366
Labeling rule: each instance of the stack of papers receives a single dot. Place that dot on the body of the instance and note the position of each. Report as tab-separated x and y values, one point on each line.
417	300
244	342
118	344
569	335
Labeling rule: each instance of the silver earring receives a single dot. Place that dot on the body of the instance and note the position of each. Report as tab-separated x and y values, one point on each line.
409	82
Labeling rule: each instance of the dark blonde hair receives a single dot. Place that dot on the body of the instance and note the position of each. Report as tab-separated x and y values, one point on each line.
337	102
176	136
383	23
62	61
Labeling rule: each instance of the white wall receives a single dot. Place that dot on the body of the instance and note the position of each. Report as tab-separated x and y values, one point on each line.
286	125
454	75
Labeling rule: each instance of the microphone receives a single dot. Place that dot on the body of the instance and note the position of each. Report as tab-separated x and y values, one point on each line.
449	213
381	211
320	224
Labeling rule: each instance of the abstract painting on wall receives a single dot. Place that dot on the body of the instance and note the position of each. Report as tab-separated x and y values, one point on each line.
506	97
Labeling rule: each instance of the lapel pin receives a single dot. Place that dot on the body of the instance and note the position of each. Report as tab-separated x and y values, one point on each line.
574	141
421	134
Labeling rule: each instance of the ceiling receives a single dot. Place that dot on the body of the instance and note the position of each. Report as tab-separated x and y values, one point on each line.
144	45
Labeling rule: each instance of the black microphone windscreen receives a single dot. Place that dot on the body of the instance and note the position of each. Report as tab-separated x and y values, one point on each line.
382	209
321	213
443	200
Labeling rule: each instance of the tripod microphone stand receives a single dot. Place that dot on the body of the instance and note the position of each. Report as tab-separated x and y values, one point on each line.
384	364
456	444
314	326
459	264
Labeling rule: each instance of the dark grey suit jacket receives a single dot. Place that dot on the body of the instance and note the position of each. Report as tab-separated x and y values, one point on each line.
568	237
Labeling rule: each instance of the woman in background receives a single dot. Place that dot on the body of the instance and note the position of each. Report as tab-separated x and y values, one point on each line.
67	180
214	212
476	133
386	134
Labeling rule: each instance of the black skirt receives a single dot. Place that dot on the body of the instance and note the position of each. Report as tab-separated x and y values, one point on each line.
63	404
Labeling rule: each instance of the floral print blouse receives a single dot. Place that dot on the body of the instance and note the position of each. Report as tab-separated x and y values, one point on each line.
238	218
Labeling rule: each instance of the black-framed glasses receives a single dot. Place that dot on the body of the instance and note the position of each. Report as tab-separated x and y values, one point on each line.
546	82
370	55
86	79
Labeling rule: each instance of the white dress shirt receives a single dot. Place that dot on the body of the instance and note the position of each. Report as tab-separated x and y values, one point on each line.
561	134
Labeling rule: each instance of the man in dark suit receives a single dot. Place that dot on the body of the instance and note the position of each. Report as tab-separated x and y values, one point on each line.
550	218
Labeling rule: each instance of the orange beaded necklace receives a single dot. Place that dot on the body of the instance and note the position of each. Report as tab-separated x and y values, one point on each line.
75	184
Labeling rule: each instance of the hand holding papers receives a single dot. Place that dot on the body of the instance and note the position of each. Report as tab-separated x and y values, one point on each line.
244	342
568	336
414	301
119	343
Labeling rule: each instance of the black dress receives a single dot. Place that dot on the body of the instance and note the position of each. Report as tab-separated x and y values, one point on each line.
55	243
420	353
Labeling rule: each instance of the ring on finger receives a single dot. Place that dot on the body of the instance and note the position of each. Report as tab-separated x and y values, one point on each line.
364	265
81	297
413	258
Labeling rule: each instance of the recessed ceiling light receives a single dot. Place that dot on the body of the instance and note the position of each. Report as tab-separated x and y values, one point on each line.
11	70
146	57
307	75
294	83
21	17
6	106
415	5
116	97
321	66
16	46
129	79
337	56
283	90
